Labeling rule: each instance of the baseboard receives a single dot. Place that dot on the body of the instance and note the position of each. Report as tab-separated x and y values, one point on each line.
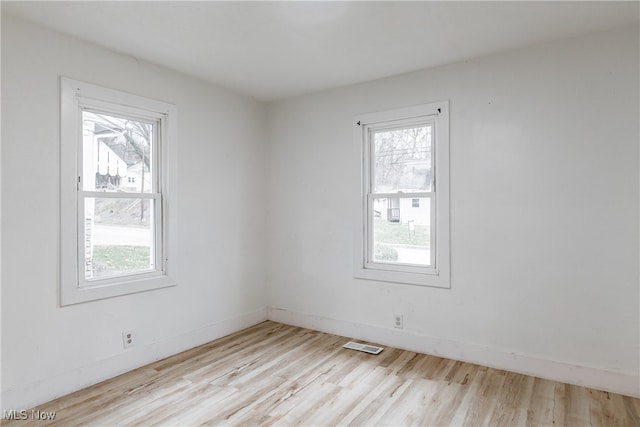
30	395
614	382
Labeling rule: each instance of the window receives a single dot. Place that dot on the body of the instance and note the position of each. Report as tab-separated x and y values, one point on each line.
403	209
115	162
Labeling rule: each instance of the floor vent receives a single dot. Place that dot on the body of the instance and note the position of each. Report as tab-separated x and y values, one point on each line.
363	347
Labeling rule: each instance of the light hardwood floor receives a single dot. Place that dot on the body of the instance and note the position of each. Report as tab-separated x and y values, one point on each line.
274	374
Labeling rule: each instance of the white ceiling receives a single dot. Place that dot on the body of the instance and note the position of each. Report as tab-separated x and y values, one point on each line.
273	50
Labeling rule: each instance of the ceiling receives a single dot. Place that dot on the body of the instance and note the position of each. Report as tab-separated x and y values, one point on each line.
274	50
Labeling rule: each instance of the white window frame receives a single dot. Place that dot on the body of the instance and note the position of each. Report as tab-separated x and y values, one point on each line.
77	97
438	273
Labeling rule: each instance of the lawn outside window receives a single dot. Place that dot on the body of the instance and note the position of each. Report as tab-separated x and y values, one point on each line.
115	162
402	225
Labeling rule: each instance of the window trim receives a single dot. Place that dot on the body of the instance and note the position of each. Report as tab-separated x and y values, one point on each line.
75	97
439	273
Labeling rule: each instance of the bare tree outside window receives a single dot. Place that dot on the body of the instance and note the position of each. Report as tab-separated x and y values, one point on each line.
402	164
117	158
403	160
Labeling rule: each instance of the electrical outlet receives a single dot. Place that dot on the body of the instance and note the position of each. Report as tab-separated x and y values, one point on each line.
397	321
127	339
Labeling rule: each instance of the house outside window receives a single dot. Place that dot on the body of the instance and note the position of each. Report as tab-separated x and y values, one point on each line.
403	209
115	238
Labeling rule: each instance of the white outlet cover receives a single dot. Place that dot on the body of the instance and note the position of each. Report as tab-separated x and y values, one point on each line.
397	321
128	339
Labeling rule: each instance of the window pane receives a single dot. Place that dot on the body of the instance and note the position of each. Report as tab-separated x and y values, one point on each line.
402	160
119	238
116	153
402	232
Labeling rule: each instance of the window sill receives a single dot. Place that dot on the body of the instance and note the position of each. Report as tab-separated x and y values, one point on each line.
128	285
435	280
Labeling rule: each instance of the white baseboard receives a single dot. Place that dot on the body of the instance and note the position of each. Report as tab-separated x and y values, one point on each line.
30	395
599	379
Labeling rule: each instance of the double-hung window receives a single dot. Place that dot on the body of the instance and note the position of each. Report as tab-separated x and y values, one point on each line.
114	186
403	209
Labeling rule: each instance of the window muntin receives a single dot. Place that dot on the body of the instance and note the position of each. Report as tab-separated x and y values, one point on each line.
402	232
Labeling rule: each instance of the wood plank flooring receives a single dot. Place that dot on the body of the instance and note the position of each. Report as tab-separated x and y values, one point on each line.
280	375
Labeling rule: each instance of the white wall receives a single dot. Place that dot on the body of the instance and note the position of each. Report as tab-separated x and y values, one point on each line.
544	213
47	350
